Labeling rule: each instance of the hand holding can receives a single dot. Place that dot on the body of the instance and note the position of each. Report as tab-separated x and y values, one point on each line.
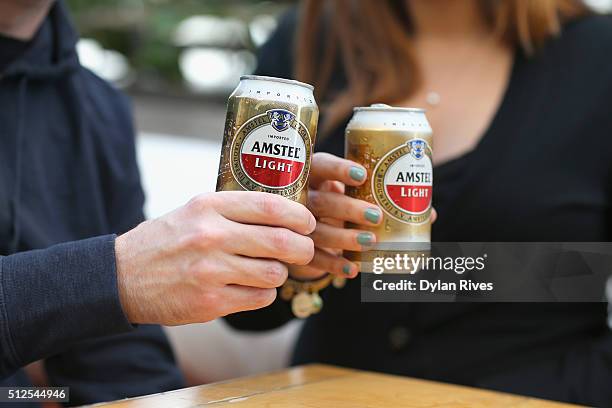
220	253
330	176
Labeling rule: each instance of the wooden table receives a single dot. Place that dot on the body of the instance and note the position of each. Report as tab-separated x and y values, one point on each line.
321	386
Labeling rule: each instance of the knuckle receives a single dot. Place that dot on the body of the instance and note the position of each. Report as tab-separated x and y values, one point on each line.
204	237
199	274
280	239
211	299
276	273
270	205
193	274
200	201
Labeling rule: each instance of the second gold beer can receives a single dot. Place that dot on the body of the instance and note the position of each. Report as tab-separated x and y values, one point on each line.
269	136
395	146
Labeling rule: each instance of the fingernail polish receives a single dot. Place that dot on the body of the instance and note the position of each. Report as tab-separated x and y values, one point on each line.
346	269
364	238
372	215
357	173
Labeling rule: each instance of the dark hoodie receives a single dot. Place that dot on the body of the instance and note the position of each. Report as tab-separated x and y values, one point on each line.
68	173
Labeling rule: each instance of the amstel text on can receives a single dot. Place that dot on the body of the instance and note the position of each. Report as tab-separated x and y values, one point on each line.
269	135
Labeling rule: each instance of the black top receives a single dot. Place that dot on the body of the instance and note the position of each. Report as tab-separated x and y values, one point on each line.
541	172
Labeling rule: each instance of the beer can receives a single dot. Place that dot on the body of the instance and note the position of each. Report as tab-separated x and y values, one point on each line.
269	135
395	146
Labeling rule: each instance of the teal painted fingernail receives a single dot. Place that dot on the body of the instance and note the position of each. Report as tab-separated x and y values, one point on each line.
372	215
357	173
346	269
364	238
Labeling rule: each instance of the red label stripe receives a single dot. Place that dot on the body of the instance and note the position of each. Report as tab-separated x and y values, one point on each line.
412	198
274	172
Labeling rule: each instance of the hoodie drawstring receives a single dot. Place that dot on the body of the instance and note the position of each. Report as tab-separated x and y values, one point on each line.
22	88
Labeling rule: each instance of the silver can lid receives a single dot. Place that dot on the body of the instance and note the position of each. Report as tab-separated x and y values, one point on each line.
381	107
274	79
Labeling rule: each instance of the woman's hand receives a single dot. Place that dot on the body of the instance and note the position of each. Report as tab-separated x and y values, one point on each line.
326	200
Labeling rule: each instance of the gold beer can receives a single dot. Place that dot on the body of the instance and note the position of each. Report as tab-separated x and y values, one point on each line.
269	135
395	146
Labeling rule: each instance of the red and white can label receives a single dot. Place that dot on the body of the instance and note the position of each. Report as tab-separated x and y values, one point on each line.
271	152
402	182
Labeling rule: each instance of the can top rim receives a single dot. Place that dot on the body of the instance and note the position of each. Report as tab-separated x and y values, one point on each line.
281	80
381	107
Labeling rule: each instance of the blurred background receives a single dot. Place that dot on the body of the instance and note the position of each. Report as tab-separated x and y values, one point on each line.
179	60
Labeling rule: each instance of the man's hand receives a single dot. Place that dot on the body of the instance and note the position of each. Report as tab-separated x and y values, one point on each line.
219	254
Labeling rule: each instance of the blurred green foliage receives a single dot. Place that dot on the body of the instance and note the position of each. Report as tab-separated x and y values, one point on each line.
142	30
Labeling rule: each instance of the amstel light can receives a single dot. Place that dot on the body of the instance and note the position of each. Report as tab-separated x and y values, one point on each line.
269	135
395	146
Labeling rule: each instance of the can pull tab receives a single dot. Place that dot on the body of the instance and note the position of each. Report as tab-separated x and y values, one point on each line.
380	105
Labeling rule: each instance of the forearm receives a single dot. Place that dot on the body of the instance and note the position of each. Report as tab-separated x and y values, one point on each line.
55	297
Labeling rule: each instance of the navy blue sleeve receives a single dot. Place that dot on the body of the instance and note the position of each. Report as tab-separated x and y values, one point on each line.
139	362
74	286
115	367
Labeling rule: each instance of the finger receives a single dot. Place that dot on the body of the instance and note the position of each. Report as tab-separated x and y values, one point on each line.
251	207
326	166
333	205
331	221
332	186
334	264
238	298
306	272
329	236
257	273
258	241
434	215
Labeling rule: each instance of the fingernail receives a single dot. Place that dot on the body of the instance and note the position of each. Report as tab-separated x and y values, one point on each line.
357	173
365	238
312	224
372	215
346	269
